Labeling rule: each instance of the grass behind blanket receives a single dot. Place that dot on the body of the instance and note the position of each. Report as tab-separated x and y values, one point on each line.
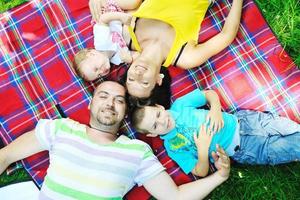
246	182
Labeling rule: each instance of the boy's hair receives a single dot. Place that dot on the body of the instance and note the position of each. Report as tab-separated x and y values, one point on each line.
136	118
78	58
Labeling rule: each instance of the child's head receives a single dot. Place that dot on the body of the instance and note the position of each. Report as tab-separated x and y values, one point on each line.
153	120
91	64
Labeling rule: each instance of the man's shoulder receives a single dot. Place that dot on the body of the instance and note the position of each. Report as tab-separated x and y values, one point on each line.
128	140
133	143
66	121
61	123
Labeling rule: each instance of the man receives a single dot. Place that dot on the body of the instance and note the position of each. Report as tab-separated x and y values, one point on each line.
92	162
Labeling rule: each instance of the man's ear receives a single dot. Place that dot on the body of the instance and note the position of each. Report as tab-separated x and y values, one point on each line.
151	135
159	79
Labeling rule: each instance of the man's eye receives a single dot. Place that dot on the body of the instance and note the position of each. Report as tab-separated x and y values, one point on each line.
130	79
145	83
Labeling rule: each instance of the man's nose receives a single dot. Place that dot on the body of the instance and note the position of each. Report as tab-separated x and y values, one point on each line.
109	101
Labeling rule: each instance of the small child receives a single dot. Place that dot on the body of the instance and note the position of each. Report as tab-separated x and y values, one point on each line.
247	136
109	43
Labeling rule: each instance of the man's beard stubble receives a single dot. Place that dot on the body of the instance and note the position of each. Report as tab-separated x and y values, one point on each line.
105	120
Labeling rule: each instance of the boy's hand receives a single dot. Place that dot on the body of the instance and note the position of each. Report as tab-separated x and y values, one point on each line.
222	162
215	119
203	139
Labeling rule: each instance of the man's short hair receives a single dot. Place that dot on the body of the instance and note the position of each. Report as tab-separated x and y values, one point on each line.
78	58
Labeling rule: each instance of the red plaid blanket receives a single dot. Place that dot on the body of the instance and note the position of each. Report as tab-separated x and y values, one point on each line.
38	40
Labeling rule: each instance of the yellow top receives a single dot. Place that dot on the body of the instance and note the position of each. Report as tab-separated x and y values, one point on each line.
185	16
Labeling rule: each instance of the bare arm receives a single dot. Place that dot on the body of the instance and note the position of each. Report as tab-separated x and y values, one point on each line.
125	18
214	116
96	6
24	146
213	99
211	47
202	142
163	184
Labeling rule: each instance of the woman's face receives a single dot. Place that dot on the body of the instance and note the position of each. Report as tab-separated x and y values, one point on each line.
141	79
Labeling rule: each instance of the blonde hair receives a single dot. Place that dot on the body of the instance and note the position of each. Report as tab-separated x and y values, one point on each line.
80	56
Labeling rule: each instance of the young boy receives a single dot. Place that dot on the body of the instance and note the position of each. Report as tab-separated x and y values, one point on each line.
110	46
247	136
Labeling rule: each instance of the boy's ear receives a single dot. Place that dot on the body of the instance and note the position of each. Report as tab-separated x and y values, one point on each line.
151	135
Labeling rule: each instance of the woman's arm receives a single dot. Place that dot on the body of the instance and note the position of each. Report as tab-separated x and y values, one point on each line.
124	18
97	5
195	54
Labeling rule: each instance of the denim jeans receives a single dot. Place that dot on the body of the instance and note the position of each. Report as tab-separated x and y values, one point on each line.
267	138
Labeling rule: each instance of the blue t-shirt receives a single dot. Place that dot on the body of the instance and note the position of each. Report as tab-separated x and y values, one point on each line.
179	142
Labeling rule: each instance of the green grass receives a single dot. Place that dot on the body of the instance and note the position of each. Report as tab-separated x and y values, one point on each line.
19	175
283	17
246	182
260	182
7	4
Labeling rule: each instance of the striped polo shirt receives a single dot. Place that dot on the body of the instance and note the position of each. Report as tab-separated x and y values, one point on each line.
82	169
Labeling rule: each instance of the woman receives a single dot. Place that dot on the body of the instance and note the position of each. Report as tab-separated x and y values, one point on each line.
166	33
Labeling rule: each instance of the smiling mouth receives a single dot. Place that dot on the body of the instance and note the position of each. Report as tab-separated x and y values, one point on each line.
110	111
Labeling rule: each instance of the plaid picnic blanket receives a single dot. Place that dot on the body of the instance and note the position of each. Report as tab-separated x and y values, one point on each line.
38	40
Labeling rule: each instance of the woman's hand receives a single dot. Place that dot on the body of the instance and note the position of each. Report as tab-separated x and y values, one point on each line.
96	7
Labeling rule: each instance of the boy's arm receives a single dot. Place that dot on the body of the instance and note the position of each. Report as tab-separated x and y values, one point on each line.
214	116
22	147
163	184
190	56
202	142
97	5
